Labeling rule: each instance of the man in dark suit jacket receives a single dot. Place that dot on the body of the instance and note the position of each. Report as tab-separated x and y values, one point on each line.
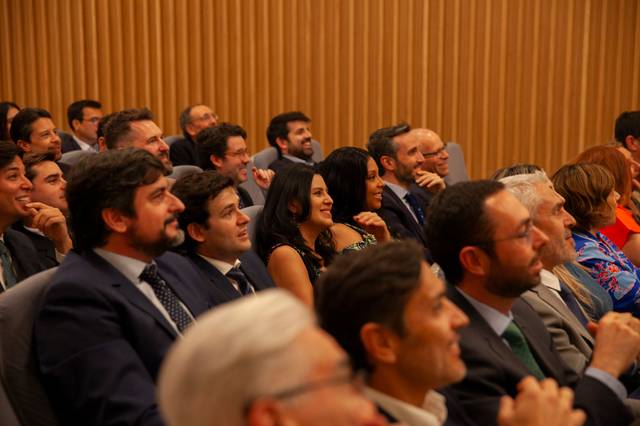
21	259
193	120
224	148
217	239
485	242
83	117
117	303
395	149
290	134
48	188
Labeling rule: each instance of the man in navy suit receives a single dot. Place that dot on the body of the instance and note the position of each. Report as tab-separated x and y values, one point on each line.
489	248
118	301
83	117
216	236
397	152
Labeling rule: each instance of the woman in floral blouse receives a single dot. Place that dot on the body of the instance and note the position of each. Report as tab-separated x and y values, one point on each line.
590	196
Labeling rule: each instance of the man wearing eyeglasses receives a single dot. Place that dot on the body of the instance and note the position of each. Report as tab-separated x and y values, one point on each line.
429	180
224	148
193	120
83	117
486	243
265	363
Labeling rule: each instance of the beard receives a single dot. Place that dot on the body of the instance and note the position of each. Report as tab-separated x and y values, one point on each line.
506	282
157	246
556	253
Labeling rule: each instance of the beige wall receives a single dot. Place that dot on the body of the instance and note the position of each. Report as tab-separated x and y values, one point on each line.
511	80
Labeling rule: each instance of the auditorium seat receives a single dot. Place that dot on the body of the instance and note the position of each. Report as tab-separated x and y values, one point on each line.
253	212
457	166
19	307
183	170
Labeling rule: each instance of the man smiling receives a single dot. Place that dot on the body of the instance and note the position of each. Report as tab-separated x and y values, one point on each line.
118	301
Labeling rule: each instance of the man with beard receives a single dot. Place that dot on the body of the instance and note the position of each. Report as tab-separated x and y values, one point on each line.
290	134
484	240
135	128
118	301
397	153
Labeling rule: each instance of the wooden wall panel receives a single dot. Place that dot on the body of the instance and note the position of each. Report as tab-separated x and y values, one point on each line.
510	80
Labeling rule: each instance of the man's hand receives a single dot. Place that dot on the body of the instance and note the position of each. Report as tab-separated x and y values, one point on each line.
373	224
263	177
540	404
432	182
617	342
52	223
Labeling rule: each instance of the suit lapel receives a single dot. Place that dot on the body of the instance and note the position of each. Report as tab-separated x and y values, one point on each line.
552	300
407	216
216	278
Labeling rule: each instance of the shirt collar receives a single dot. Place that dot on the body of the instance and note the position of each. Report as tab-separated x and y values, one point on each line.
83	145
35	231
549	280
432	413
220	265
496	320
128	266
397	189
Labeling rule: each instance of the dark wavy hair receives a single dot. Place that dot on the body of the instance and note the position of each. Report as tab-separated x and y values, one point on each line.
277	224
345	173
4	111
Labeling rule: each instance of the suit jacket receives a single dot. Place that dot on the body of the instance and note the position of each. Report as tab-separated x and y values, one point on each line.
280	164
100	342
399	219
25	257
45	247
571	340
220	287
184	152
68	142
493	370
423	195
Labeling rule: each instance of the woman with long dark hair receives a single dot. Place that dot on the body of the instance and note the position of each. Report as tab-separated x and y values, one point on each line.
292	234
7	111
356	188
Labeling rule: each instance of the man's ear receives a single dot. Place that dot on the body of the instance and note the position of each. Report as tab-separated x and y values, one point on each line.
389	163
74	123
474	260
216	161
266	412
631	143
24	145
380	343
195	232
282	143
115	220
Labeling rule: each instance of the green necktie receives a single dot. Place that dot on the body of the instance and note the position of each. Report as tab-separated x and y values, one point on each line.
520	349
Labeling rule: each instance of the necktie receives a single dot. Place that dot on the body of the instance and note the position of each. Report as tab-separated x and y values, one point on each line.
8	274
520	349
167	297
415	206
572	304
239	277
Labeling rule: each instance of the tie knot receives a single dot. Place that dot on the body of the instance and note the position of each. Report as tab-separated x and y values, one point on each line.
150	273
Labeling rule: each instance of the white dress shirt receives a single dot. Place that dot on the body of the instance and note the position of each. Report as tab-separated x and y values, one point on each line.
432	413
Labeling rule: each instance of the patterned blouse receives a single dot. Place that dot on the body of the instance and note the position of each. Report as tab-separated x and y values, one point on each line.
366	241
611	268
313	267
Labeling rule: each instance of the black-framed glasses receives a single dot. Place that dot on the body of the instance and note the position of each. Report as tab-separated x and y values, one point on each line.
92	120
437	153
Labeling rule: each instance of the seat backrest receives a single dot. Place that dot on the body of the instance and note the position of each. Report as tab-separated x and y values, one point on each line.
19	307
183	170
268	155
72	157
253	212
457	166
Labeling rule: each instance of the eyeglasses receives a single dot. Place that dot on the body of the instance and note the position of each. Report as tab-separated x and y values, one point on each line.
93	120
525	235
206	117
437	153
239	153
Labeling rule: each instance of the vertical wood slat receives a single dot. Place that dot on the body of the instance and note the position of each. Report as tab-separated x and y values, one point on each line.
511	80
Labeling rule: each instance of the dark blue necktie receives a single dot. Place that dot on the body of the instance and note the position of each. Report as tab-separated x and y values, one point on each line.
415	206
572	304
8	274
241	279
166	296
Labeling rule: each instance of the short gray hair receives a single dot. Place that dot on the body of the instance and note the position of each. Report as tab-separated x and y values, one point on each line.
232	355
523	187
